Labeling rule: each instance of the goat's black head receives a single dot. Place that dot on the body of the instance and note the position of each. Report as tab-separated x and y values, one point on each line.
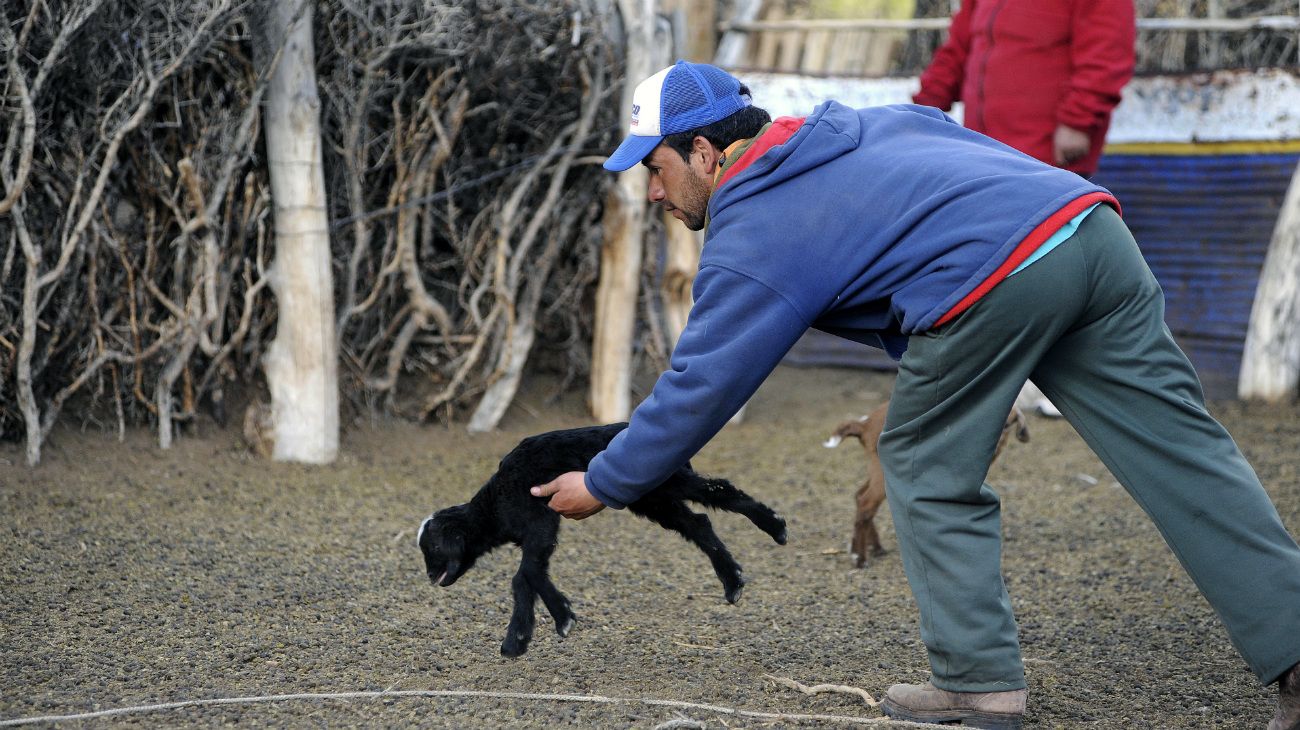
442	539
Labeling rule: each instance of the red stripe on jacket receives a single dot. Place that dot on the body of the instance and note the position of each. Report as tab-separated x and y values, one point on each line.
778	134
1028	246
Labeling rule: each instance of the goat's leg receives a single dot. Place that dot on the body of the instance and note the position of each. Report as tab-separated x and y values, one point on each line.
697	529
865	537
861	523
722	494
1016	424
520	630
536	568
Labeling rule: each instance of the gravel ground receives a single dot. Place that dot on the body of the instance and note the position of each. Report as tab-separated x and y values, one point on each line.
133	577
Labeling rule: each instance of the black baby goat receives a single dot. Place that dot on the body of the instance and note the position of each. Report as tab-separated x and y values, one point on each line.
504	511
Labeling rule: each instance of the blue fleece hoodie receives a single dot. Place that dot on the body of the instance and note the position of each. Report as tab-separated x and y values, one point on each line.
870	224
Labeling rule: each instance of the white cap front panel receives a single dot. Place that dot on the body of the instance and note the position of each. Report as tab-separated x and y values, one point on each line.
647	105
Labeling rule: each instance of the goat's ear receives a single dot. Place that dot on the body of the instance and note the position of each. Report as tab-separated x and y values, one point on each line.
419	536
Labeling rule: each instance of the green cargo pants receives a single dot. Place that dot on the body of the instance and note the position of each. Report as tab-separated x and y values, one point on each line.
1086	323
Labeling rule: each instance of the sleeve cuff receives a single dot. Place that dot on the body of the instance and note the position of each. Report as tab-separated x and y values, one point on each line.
924	99
604	498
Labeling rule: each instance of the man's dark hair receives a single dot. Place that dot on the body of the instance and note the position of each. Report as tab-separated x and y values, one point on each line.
743	124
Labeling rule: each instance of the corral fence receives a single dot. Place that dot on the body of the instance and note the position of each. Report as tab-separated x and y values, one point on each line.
461	142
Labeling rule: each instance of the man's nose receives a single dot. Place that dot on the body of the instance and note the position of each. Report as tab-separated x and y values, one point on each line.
655	191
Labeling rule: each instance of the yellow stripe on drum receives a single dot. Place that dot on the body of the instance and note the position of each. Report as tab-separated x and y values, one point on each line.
1187	149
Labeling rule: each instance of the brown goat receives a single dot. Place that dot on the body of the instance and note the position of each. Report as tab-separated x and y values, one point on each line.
872	492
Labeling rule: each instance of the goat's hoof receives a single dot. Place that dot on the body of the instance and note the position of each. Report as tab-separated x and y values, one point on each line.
860	561
733	593
514	646
775	528
563	629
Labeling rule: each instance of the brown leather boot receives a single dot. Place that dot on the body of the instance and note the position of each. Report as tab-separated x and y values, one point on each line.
1288	702
927	703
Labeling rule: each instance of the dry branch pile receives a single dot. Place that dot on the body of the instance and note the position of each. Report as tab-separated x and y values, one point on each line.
498	102
134	207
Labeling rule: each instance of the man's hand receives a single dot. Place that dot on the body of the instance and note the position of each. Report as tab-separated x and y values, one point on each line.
569	496
1069	144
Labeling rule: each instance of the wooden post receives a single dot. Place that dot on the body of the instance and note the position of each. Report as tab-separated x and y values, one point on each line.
1214	11
1270	360
616	297
763	53
732	47
700	23
301	364
620	253
681	262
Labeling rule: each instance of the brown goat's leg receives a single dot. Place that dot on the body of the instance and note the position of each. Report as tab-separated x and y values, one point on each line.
861	524
869	497
866	540
1016	424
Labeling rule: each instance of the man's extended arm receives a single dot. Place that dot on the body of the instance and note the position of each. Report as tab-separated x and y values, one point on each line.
738	330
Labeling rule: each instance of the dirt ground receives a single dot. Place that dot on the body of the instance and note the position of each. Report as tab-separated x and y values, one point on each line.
131	577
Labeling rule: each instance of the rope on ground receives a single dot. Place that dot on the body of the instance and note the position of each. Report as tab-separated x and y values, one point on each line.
682	722
431	693
819	688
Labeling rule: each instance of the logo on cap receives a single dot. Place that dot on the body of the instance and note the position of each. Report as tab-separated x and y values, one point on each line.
679	98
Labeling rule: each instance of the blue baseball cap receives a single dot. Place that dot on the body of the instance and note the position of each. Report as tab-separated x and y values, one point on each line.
682	97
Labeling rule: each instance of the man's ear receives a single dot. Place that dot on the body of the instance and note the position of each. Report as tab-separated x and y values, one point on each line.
704	156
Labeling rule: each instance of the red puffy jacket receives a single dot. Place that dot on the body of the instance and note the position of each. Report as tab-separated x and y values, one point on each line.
1024	66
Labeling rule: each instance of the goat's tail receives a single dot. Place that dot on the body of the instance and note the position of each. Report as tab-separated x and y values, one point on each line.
854	428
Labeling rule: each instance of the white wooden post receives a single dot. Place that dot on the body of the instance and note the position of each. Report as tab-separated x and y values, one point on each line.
301	364
620	254
1270	360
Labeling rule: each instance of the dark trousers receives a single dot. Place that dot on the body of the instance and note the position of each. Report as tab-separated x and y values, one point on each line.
1086	323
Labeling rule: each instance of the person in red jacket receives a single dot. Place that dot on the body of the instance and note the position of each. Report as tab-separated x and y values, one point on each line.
1039	75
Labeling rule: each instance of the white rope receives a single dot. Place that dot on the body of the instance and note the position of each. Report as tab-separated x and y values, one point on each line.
595	699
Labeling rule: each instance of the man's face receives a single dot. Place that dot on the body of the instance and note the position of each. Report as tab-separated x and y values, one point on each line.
682	187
